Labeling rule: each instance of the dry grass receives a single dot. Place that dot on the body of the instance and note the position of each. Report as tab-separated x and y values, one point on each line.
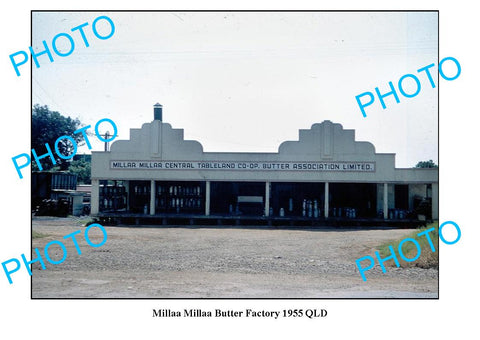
36	234
427	259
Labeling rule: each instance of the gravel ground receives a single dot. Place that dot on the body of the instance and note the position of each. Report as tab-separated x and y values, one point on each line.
220	262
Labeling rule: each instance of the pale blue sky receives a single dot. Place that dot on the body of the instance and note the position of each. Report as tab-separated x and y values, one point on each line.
239	81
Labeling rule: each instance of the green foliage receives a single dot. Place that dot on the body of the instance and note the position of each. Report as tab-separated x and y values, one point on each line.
426	164
47	126
427	259
82	169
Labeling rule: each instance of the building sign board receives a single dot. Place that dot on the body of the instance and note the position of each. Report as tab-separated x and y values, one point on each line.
244	166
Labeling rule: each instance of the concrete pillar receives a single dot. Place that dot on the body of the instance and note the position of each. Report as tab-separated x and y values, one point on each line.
326	207
385	200
152	197
207	198
94	200
435	201
267	199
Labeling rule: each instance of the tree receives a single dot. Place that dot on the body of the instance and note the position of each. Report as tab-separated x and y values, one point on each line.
426	164
47	126
82	169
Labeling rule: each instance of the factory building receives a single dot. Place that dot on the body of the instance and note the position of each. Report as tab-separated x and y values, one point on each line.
326	175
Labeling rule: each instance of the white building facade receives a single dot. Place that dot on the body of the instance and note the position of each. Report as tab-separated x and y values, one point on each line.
325	174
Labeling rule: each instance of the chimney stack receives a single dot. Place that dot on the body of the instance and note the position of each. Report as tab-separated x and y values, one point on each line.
157	112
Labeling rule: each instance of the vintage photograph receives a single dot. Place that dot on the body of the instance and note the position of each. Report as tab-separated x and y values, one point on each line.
235	155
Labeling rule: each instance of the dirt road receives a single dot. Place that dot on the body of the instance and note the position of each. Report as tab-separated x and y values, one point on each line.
220	262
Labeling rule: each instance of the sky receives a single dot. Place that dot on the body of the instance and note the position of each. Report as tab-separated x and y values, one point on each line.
246	81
